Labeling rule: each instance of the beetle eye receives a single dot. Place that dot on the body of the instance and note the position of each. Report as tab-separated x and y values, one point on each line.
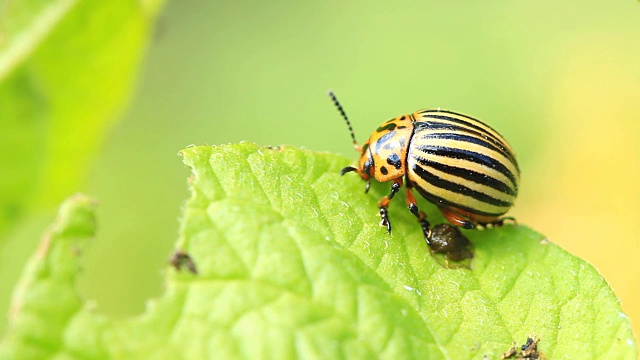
366	168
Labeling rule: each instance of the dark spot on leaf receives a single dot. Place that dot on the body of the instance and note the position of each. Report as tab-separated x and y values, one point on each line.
447	240
180	259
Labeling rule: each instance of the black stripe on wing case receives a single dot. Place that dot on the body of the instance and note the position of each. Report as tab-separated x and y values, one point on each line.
472	156
470	139
457	188
442	202
497	140
467	174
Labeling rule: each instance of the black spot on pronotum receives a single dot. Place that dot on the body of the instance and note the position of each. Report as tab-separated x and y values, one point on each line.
390	126
394	160
384	170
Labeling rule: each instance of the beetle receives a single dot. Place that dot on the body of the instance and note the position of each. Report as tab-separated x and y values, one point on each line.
455	161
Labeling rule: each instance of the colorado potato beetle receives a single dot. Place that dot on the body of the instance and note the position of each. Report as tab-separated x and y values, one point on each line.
457	162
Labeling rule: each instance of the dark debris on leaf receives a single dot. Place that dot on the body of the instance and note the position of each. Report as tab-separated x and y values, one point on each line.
180	259
528	350
448	241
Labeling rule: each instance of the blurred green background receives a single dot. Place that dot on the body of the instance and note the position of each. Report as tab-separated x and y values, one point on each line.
561	81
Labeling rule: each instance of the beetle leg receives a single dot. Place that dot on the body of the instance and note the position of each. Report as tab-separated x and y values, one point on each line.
457	219
412	204
502	220
383	204
384	218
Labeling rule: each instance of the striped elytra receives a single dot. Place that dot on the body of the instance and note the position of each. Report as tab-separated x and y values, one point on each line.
457	162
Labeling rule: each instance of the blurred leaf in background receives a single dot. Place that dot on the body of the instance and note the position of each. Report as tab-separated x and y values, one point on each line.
66	70
559	80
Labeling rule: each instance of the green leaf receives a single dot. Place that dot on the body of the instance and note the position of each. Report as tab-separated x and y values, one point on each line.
45	300
292	263
66	68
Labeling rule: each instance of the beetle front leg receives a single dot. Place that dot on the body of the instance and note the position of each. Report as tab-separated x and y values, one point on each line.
412	204
383	204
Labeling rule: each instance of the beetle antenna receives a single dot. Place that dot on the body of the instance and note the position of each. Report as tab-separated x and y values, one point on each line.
344	115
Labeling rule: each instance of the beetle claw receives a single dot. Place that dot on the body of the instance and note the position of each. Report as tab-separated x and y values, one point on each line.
384	221
468	225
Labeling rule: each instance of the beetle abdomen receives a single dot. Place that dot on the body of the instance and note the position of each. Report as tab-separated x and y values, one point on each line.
456	161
